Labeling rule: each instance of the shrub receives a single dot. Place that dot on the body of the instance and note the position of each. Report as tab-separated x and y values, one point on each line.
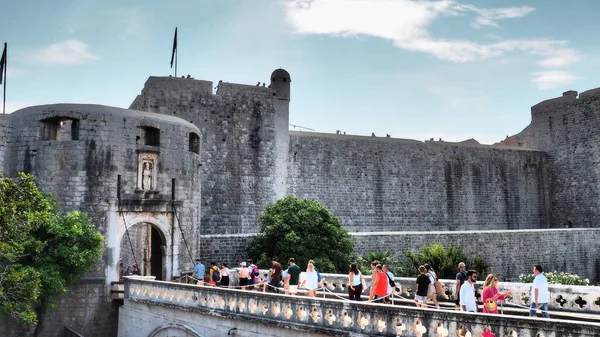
558	278
444	260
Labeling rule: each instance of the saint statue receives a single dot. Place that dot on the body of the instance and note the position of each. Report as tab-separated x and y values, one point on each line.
147	176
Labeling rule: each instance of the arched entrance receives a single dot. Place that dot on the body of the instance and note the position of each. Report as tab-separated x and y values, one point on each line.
146	243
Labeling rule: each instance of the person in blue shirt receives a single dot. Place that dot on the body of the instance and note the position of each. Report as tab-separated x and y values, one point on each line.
199	272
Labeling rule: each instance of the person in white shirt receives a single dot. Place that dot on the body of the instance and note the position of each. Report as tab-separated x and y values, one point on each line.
540	296
390	279
467	293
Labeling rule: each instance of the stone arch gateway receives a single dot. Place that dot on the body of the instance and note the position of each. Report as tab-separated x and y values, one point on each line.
164	223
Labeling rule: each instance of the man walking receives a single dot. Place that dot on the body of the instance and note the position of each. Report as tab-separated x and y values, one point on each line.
540	296
467	293
293	276
275	282
461	277
199	272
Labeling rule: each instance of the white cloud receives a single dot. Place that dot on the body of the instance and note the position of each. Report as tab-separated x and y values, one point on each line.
489	17
560	58
545	80
69	52
405	23
12	72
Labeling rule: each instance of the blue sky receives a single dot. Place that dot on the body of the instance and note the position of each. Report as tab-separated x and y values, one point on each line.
411	69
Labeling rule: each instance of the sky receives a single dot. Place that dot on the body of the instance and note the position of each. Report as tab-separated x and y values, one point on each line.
411	69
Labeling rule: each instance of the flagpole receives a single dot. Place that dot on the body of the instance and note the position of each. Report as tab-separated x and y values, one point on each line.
5	63
176	54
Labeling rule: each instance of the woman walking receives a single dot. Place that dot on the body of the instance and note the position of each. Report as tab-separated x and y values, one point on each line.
311	280
355	280
225	275
491	295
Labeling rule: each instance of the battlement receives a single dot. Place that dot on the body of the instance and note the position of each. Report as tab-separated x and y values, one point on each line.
559	104
226	88
405	140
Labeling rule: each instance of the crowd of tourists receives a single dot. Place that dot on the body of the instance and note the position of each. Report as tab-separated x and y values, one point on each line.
383	285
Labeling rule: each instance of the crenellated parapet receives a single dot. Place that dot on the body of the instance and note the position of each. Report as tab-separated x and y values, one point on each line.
566	128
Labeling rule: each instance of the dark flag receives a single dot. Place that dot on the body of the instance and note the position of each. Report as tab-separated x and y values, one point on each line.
3	75
3	65
174	47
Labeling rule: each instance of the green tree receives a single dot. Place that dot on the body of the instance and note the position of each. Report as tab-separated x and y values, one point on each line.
41	251
444	260
304	230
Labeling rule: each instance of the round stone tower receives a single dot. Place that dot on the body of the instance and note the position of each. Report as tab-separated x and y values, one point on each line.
280	82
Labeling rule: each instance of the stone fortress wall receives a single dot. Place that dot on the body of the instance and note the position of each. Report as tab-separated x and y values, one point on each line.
5	132
245	137
386	184
391	193
77	153
566	128
373	184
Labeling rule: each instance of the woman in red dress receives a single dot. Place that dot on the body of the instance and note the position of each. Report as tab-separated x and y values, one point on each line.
490	292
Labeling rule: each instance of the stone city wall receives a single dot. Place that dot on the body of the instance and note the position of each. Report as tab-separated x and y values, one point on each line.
508	252
567	129
243	131
386	184
5	131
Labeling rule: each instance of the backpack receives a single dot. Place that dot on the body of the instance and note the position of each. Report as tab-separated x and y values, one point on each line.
216	275
255	272
318	275
463	278
392	283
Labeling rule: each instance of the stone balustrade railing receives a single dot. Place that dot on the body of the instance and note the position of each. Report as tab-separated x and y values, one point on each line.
584	299
339	317
564	298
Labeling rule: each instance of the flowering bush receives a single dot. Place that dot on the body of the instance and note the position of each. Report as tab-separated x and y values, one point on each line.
558	278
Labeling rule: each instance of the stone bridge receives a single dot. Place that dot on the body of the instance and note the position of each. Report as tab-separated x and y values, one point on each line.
161	309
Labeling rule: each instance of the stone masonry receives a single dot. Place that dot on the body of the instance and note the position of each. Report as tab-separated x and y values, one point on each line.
230	154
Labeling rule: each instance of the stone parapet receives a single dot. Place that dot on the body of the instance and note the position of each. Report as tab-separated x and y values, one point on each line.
320	316
584	299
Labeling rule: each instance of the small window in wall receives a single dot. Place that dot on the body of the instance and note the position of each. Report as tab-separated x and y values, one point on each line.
194	143
59	128
151	136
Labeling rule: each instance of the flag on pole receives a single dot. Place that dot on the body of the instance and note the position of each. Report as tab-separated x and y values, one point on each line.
174	47
3	65
3	75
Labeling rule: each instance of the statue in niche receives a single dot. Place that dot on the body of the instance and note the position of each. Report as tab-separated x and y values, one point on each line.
147	176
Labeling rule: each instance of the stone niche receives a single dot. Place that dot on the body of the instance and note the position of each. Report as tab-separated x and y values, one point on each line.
147	175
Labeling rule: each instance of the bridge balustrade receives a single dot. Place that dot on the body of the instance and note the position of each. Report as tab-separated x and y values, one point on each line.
331	316
564	297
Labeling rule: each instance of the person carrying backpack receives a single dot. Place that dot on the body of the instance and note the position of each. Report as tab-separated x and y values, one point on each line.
215	274
392	283
254	273
461	277
316	270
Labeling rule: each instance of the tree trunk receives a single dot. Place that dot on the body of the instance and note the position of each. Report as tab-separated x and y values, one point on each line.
40	310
